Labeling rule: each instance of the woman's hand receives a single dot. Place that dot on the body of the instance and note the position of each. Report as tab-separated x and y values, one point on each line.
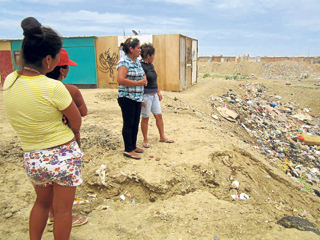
159	95
143	82
143	104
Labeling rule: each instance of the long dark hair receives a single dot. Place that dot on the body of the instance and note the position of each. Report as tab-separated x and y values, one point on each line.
55	73
130	42
38	42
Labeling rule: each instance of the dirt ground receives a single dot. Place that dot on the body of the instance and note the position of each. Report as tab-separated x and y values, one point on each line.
187	193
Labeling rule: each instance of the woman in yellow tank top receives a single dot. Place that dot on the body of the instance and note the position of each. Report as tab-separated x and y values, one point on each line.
34	105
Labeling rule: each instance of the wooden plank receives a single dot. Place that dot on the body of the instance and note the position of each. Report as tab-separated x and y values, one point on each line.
172	62
194	60
188	61
107	57
159	60
182	62
166	61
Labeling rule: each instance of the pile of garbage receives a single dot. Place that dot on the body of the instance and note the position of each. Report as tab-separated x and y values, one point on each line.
287	70
287	135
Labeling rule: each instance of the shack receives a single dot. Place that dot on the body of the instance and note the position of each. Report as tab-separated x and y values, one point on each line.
175	60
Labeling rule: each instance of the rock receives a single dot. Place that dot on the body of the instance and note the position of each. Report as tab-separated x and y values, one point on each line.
298	223
8	215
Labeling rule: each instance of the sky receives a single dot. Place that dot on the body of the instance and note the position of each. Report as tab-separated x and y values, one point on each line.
222	27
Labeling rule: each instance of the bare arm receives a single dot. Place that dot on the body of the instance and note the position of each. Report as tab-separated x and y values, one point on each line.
83	110
74	118
121	79
159	95
81	104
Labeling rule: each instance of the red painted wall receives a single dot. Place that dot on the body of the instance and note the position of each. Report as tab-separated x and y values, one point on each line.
6	66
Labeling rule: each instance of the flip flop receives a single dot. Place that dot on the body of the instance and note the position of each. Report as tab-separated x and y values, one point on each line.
80	221
139	150
49	222
146	145
134	156
167	141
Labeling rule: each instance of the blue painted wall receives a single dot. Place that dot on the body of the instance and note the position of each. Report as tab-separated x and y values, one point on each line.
82	51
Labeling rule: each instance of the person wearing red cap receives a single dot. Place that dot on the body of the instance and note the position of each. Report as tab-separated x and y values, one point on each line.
60	72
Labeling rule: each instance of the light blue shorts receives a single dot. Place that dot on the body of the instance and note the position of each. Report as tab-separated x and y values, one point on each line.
152	105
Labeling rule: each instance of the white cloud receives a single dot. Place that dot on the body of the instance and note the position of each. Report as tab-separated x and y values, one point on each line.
181	2
54	2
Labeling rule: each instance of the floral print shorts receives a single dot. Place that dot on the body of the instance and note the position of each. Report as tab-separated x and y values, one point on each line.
62	165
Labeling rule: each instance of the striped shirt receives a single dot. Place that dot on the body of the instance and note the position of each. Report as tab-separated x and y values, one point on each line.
33	105
135	73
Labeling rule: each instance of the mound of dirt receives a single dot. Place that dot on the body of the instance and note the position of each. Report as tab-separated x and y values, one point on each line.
176	191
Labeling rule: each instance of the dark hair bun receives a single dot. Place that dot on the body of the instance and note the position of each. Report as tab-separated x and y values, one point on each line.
31	28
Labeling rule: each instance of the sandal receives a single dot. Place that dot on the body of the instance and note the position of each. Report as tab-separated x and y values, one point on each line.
80	221
133	155
167	141
146	145
139	150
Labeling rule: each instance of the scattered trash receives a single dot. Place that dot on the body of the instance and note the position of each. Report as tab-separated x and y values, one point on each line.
215	117
288	135
235	184
102	174
227	113
128	195
310	139
79	201
244	196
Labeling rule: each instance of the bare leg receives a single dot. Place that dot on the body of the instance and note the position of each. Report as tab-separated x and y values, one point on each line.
144	129
74	218
40	211
62	207
159	123
51	214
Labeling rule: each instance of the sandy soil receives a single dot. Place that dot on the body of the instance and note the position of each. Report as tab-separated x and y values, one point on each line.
184	195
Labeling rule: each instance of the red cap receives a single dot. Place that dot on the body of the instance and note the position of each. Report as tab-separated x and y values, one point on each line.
64	59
